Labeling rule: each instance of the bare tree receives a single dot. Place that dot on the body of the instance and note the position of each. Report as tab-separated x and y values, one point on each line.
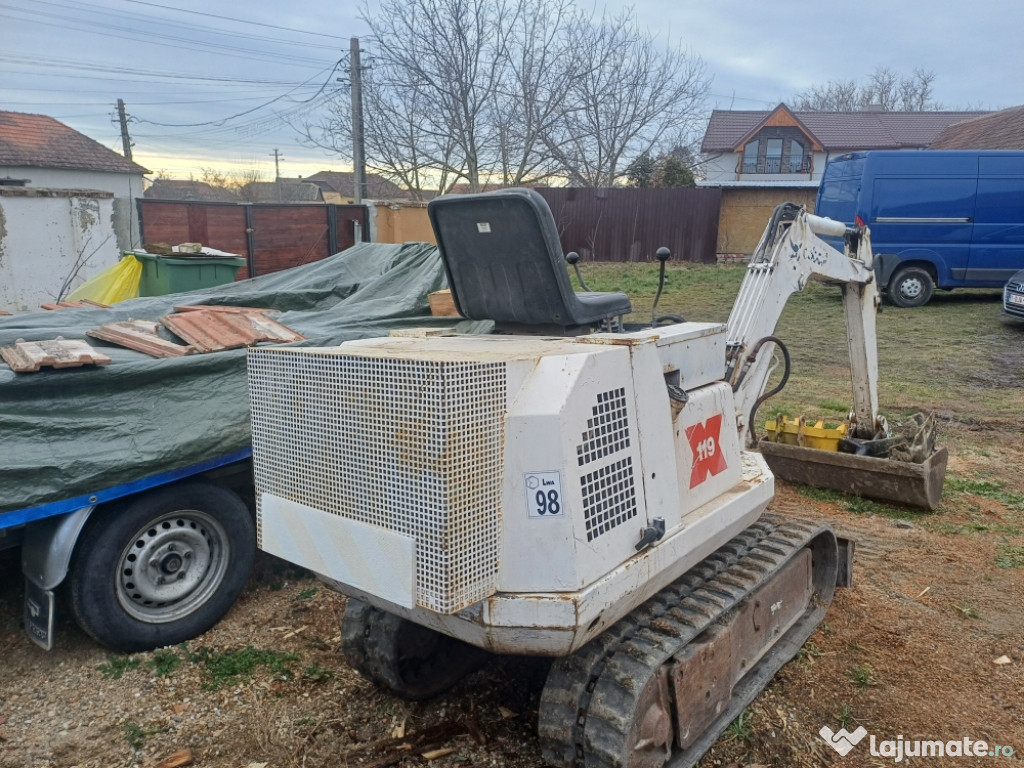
532	96
628	95
885	90
451	55
399	146
511	92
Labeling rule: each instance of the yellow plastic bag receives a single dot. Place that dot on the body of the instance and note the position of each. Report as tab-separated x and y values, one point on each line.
112	285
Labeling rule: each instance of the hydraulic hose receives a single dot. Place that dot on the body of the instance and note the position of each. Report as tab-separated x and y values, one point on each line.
751	358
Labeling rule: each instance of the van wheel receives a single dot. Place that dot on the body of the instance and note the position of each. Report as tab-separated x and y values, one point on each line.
910	287
162	567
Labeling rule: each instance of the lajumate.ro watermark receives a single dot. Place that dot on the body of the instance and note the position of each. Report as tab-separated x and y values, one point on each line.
843	742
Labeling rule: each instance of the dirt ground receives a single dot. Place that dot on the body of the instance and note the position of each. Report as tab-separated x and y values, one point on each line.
928	645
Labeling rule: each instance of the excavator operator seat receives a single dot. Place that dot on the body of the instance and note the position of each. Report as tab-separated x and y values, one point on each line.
505	263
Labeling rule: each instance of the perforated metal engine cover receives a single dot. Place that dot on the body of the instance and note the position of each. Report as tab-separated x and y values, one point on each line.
410	446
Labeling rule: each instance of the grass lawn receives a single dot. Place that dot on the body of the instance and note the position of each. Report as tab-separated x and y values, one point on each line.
954	356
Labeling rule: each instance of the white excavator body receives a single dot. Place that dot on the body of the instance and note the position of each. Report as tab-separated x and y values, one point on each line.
547	491
497	488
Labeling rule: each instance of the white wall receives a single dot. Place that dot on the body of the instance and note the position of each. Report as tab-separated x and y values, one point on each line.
723	168
49	237
124	186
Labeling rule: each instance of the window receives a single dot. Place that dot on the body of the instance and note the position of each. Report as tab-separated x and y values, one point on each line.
776	150
773	156
796	156
750	157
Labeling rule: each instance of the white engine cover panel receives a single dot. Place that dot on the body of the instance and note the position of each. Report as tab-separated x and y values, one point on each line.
573	487
377	560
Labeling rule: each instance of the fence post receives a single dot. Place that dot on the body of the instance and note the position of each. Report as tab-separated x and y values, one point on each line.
250	249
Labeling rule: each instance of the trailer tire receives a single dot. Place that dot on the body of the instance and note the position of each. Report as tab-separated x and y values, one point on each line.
910	286
162	567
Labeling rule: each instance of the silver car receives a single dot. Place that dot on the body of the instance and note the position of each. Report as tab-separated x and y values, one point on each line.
1013	297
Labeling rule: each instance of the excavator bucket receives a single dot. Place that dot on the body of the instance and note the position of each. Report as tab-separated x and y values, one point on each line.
903	482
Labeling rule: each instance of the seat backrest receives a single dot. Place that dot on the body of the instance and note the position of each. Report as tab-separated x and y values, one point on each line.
503	257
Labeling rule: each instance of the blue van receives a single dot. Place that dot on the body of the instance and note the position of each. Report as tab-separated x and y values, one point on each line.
938	218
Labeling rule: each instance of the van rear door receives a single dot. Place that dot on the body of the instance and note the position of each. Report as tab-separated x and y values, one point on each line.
997	250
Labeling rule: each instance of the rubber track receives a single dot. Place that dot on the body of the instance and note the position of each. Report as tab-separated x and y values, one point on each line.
368	641
588	704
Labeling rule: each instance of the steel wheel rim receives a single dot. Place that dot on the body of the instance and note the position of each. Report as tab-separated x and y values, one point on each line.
172	566
911	288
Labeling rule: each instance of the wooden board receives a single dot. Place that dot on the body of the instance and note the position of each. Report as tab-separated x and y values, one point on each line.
30	356
442	304
220	308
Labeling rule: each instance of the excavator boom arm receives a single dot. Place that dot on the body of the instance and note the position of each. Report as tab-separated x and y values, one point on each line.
790	253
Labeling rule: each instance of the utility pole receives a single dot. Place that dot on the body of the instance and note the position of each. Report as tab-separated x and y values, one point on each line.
126	141
278	157
358	155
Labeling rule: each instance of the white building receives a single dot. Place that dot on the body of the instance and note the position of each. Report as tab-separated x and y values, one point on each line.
44	153
67	209
783	148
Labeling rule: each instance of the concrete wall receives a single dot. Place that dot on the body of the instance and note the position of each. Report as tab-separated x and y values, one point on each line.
745	213
125	188
402	223
49	238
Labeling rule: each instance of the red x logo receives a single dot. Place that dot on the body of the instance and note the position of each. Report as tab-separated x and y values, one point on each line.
708	458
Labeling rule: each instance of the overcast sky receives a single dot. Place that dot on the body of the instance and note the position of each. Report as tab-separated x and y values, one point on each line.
213	67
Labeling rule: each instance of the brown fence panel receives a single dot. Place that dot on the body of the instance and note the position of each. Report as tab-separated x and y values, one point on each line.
631	224
348	222
286	236
271	237
216	225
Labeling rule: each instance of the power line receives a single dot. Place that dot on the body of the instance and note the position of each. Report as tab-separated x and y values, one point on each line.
192	45
239	21
164	75
276	99
92	15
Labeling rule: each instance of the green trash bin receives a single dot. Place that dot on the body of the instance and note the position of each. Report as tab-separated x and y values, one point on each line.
177	273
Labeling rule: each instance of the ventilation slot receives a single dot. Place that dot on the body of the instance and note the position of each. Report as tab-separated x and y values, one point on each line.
609	497
607	429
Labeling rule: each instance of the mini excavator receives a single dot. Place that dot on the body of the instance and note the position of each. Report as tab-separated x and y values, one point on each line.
566	486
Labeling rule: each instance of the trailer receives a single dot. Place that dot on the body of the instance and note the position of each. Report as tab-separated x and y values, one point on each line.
148	563
128	487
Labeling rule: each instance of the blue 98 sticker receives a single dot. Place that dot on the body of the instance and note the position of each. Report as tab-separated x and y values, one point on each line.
544	494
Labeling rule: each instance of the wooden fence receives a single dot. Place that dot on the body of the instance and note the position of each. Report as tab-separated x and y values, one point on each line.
631	224
271	237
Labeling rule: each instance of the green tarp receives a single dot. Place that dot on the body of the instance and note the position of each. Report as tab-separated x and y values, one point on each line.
75	431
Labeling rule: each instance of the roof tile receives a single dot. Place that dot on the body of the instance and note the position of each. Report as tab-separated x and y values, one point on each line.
38	141
998	130
838	130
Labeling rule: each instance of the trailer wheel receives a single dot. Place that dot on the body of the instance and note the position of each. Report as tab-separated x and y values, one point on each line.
910	287
163	567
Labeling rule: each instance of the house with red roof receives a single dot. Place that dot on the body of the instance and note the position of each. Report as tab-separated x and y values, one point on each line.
67	208
760	158
38	152
786	148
